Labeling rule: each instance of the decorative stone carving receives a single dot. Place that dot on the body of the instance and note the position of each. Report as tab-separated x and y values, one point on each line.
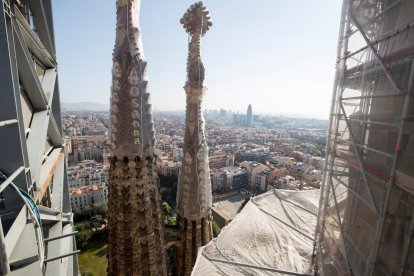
136	235
194	197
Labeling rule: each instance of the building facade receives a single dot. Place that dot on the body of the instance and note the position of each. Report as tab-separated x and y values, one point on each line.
259	175
228	178
249	116
88	196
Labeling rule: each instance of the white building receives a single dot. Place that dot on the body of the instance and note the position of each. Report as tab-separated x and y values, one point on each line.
88	195
258	175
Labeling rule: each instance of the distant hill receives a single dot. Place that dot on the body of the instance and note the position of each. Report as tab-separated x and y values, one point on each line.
84	106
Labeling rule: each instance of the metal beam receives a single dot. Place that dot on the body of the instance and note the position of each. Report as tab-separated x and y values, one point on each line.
33	42
369	122
357	153
48	215
380	225
57	188
341	228
407	246
48	84
10	105
54	132
42	24
355	193
54	248
376	55
8	122
10	178
365	147
4	261
27	73
62	256
61	236
371	96
12	236
36	142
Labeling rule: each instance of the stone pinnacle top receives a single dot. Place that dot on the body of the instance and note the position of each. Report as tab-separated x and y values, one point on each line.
197	20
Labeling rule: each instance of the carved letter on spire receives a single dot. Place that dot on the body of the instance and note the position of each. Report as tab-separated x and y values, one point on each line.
135	224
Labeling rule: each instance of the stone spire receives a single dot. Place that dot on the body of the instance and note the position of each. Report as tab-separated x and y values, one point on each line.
135	223
194	186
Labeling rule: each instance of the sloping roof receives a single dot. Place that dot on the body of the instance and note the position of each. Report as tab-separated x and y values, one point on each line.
273	233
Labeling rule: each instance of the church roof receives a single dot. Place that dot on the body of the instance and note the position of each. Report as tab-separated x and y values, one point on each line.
273	233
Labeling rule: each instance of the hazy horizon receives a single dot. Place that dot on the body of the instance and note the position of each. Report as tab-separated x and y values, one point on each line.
289	115
255	53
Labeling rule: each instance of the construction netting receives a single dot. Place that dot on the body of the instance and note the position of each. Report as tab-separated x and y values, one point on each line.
366	220
273	234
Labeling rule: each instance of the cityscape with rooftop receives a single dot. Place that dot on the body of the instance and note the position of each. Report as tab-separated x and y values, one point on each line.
223	150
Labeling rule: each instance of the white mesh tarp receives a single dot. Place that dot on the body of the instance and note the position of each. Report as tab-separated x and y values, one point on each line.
273	233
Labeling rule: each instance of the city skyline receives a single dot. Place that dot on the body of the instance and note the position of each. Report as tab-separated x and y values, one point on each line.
295	80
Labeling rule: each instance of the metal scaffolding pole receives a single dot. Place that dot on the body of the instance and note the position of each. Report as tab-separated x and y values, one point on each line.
359	159
383	213
343	37
368	145
376	55
407	246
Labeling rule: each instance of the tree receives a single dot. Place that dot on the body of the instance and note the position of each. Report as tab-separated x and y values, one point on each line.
83	235
169	219
100	209
167	208
216	229
168	188
88	212
96	222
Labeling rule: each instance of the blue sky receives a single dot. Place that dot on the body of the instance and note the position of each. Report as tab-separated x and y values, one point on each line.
278	55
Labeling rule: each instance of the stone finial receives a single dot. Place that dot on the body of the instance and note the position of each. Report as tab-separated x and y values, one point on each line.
197	20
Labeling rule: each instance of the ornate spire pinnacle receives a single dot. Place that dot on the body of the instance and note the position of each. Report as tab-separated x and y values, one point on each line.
196	22
132	131
194	197
135	224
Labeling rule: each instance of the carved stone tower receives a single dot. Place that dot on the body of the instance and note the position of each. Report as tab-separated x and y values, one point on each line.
194	185
135	223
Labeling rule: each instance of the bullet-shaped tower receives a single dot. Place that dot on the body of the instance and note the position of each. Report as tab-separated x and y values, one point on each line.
135	223
194	187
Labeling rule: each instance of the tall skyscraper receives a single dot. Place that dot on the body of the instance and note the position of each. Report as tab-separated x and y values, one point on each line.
249	117
194	197
135	222
36	221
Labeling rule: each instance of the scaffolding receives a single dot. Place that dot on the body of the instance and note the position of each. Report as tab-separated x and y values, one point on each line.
36	221
366	221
